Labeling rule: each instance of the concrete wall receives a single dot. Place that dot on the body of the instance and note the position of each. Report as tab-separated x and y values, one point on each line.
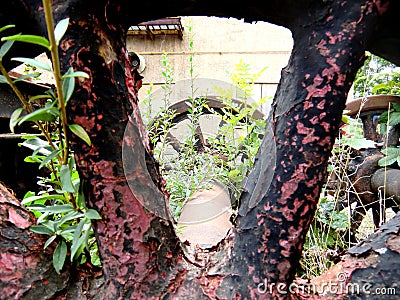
218	45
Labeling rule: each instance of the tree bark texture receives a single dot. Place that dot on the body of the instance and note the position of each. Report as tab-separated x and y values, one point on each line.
141	254
26	271
285	185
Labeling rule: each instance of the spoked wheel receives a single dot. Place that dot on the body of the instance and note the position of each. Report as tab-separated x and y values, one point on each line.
204	216
373	187
209	125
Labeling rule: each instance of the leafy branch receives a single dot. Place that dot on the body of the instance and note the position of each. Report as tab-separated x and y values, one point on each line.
60	207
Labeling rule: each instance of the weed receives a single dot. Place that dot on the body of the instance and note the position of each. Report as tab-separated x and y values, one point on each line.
191	159
328	237
60	207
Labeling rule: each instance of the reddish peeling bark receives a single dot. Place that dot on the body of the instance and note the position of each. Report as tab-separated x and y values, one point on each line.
141	255
140	252
26	270
285	185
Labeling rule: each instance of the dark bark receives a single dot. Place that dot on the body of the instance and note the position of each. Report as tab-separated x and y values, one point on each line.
141	254
140	251
27	273
291	169
26	270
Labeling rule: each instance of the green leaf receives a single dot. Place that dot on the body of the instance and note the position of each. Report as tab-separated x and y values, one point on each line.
78	239
56	209
37	145
66	182
33	98
95	258
339	220
50	157
80	132
383	117
52	94
49	241
396	106
40	229
27	38
37	206
3	79
60	253
392	156
6	27
76	74
377	88
233	173
68	236
68	85
72	215
42	218
23	77
88	232
92	214
29	194
60	30
382	128
41	198
42	114
52	104
394	118
30	159
357	143
69	229
15	118
34	62
4	48
68	233
81	201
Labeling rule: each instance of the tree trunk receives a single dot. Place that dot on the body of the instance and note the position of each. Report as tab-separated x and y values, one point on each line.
26	271
141	254
284	187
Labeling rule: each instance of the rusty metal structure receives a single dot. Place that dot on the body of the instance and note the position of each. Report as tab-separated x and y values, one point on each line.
164	26
375	187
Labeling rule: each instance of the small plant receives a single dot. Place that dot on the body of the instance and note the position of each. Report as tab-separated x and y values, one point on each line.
238	140
352	135
327	237
193	162
325	240
158	127
390	119
191	168
60	205
377	76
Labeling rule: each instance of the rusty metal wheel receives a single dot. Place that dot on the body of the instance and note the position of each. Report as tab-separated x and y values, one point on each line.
205	215
374	187
210	122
